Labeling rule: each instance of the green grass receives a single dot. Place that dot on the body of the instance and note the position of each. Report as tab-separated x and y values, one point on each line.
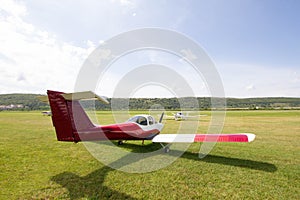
33	165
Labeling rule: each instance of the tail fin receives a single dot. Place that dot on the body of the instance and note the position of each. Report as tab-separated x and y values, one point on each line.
68	116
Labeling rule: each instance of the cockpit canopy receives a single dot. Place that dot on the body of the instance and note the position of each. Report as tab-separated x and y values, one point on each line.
144	120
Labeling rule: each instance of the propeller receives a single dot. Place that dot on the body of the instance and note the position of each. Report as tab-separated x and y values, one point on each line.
161	117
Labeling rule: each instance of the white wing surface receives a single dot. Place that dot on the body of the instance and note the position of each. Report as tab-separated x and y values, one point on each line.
190	138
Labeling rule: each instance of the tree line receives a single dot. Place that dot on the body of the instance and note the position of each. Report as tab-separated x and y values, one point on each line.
30	102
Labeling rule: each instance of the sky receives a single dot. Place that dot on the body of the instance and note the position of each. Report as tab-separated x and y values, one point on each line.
254	44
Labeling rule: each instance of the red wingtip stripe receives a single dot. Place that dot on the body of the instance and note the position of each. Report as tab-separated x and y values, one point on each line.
221	138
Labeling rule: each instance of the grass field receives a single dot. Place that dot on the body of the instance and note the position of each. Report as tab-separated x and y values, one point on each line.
35	166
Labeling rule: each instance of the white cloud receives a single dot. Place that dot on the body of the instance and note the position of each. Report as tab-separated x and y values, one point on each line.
13	8
32	59
252	80
126	3
126	64
296	77
250	87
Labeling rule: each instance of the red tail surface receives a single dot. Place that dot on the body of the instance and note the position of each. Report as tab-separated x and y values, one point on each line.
68	117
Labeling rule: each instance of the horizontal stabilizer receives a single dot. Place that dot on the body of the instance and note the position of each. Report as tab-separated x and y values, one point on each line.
43	99
190	138
84	96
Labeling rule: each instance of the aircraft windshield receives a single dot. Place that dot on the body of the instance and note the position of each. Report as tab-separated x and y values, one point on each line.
151	120
139	119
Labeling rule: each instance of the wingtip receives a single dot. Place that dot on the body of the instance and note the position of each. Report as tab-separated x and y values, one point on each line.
250	136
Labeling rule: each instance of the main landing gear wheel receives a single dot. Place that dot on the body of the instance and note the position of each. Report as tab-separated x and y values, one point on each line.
120	142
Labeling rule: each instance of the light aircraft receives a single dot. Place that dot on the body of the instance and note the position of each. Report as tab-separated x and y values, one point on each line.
72	124
181	116
47	113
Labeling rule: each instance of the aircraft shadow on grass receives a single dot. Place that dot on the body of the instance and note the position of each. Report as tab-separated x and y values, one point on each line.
89	186
237	162
92	186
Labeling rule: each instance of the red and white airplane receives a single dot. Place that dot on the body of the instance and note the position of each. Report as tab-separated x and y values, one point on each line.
73	124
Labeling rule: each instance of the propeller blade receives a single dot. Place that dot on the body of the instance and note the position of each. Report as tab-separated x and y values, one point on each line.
161	117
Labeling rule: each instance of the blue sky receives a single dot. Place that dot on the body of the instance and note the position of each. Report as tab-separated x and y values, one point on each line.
255	45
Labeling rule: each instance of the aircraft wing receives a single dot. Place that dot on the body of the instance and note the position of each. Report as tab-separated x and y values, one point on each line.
190	138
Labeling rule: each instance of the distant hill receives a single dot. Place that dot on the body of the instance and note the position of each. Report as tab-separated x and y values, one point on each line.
30	102
264	103
21	102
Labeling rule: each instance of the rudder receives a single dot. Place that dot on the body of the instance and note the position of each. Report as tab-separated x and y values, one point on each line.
68	117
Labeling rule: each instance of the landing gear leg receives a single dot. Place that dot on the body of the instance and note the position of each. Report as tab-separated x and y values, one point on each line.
165	147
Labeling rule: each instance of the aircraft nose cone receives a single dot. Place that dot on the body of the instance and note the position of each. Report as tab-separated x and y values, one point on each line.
160	126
